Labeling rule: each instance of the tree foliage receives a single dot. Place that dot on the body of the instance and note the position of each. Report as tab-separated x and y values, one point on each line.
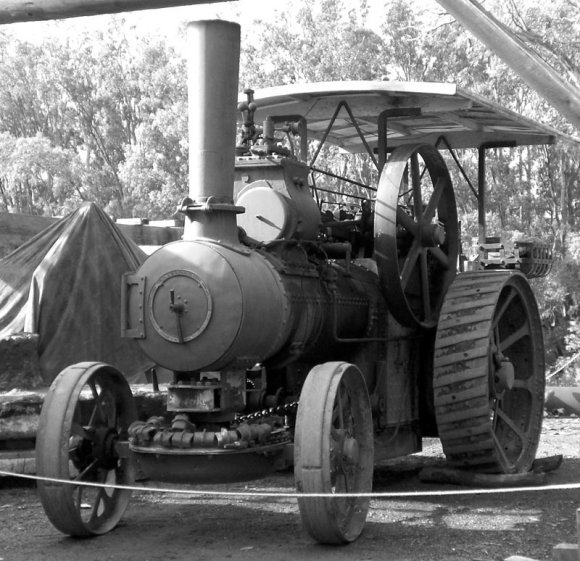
102	116
102	102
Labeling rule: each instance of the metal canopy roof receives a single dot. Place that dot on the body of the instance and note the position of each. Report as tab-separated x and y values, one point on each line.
419	112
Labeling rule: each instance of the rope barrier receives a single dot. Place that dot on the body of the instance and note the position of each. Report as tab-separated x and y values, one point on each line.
559	369
295	495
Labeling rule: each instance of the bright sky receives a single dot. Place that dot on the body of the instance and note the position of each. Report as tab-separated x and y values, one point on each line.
244	11
165	20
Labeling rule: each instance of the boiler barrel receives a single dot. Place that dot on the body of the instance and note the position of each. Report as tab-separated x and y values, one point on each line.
201	305
206	306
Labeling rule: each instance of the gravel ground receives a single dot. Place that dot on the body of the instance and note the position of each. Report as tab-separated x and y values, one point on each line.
169	526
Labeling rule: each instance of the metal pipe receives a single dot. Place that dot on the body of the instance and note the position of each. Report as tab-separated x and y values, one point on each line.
213	68
15	11
481	202
482	184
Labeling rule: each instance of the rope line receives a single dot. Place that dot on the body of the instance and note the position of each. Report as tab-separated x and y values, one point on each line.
567	363
295	495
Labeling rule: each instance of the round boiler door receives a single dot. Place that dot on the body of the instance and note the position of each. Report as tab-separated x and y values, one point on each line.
180	306
267	213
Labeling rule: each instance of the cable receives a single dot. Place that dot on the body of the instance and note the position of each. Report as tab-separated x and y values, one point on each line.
294	495
567	363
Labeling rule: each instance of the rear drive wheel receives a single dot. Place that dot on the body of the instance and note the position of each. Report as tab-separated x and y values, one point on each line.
489	372
334	452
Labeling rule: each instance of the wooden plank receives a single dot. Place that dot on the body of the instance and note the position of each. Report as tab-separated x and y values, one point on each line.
18	462
483	480
19	427
568	551
20	410
144	234
565	552
547	464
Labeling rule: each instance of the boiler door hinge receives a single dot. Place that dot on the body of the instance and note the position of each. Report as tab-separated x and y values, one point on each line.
132	306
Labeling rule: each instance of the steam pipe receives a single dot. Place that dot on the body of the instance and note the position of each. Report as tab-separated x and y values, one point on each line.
15	11
213	90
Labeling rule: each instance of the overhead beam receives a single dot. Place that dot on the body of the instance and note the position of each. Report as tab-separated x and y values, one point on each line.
523	61
15	11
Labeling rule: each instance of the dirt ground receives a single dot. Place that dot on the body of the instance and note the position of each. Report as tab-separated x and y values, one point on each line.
169	526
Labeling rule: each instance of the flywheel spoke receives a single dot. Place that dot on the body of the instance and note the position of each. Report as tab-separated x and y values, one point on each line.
407	222
410	263
425	286
441	257
434	201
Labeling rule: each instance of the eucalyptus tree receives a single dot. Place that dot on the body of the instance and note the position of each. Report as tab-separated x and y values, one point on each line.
105	98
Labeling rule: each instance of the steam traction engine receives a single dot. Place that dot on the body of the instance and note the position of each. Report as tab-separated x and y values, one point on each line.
300	334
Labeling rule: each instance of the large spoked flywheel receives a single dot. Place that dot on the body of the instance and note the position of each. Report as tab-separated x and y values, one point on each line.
83	424
416	234
333	452
489	372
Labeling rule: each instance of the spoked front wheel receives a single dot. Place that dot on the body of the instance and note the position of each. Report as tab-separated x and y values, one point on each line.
333	452
83	426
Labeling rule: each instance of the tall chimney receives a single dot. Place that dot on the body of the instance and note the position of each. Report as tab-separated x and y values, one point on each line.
213	91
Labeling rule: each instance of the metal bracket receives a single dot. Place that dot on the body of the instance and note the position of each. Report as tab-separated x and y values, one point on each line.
132	306
211	204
